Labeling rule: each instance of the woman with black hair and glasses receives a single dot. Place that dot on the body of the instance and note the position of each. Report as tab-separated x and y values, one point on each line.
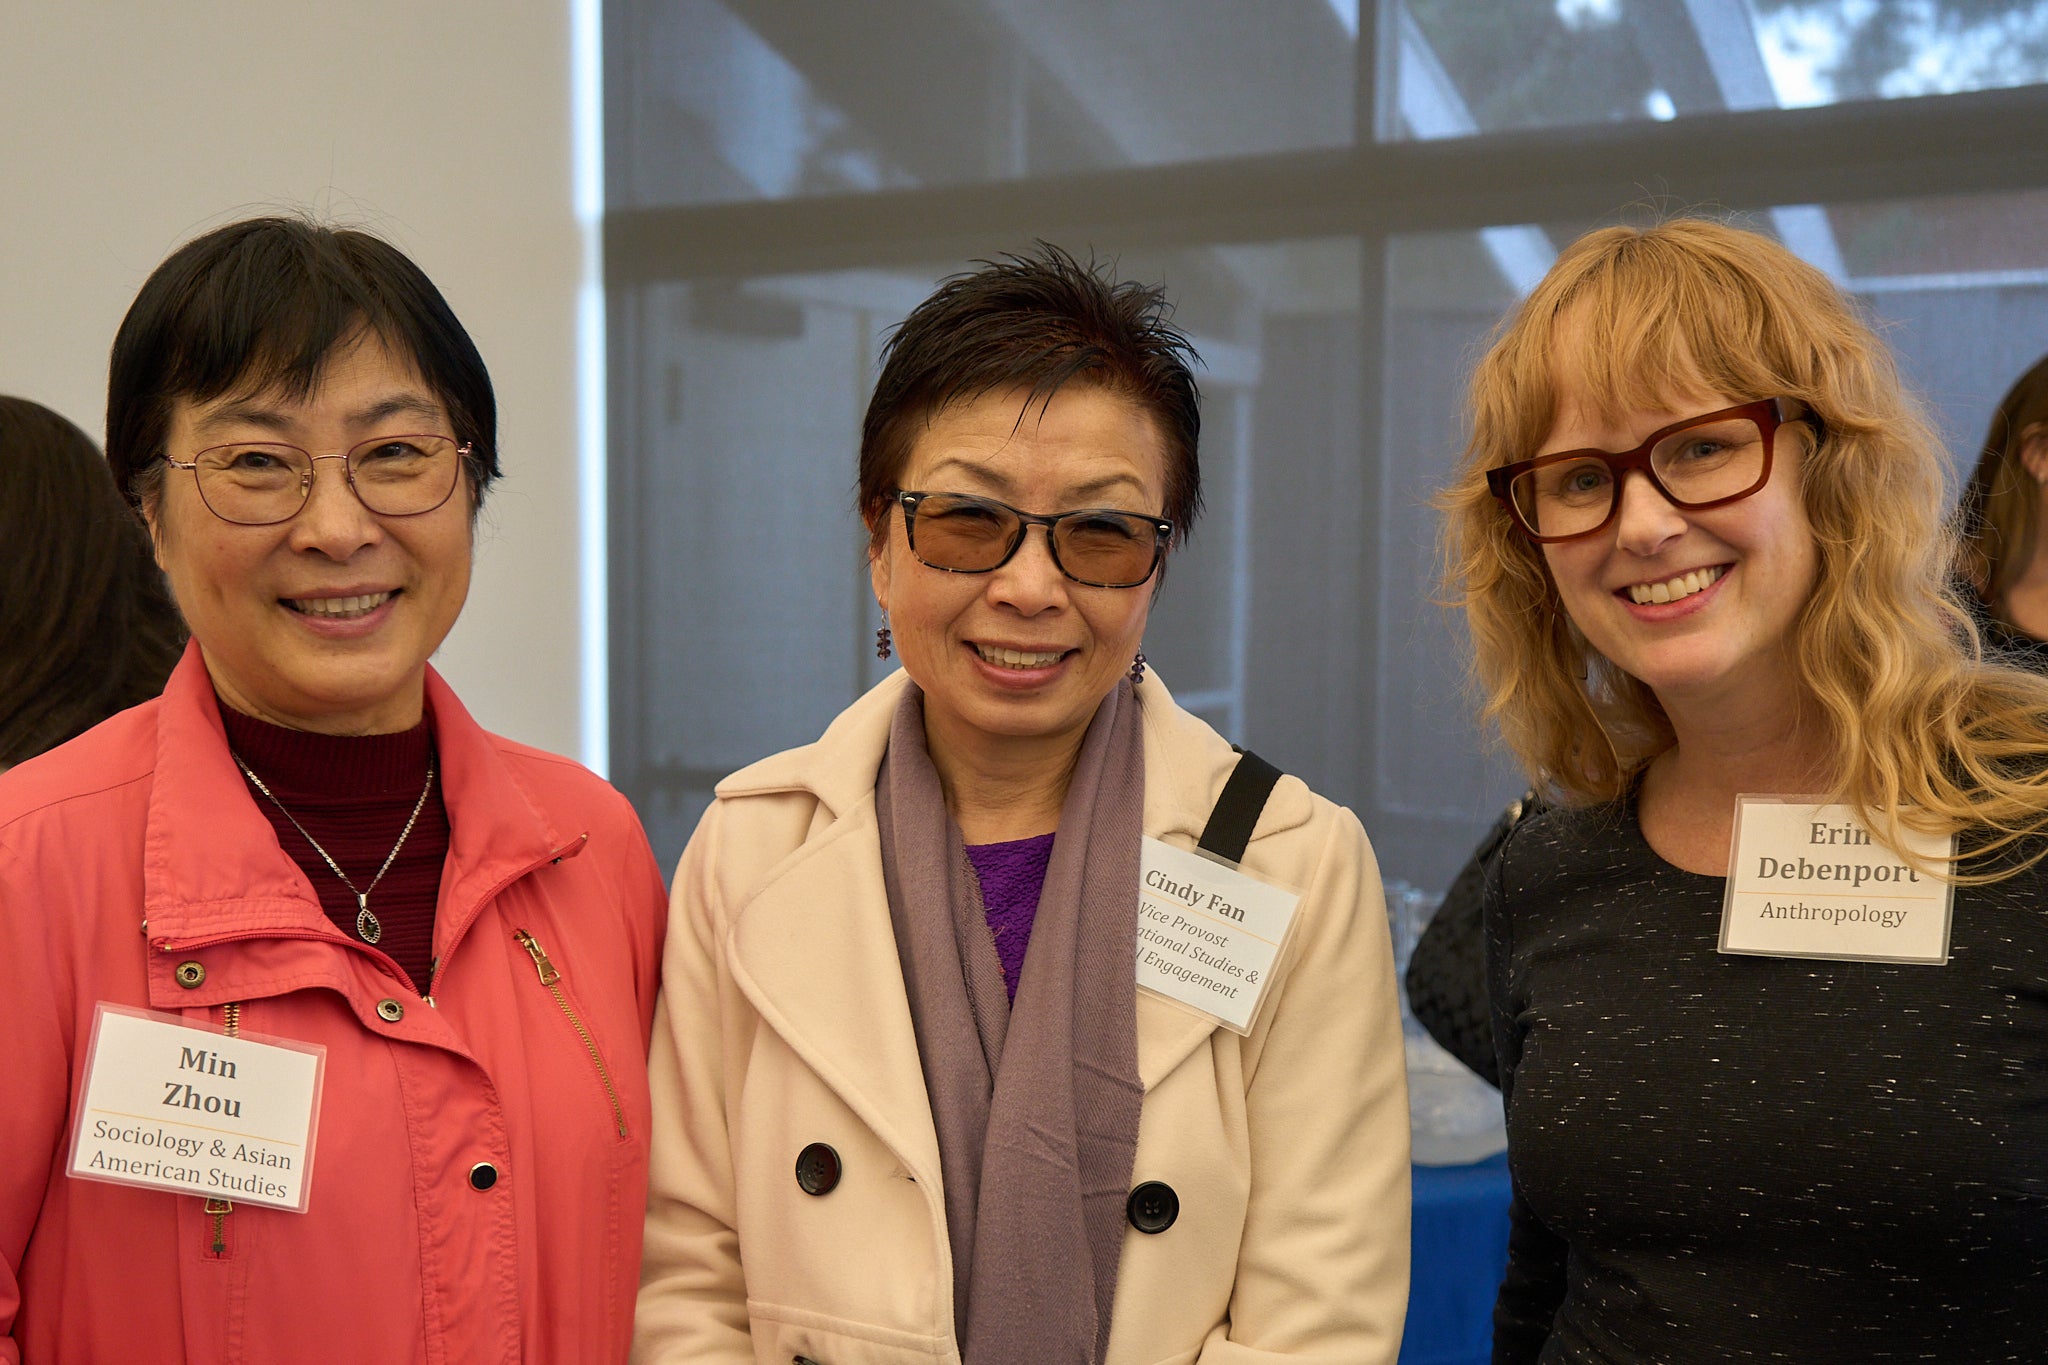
1770	977
327	1009
913	1102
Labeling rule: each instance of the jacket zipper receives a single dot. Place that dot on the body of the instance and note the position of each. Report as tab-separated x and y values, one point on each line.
219	1209
434	968
550	978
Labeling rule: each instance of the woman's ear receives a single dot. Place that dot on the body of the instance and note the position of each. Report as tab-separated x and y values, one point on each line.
2034	451
151	512
878	570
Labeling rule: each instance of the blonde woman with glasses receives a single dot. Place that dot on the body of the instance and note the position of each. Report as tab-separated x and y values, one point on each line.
1770	983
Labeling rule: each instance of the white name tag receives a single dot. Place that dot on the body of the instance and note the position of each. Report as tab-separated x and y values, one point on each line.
1807	880
170	1106
1207	933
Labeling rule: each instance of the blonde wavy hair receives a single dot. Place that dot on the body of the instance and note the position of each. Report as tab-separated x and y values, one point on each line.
1928	734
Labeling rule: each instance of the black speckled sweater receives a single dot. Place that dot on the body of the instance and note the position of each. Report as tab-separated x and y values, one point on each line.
1722	1158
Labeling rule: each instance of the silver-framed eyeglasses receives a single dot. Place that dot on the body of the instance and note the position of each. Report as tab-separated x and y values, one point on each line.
1098	547
261	483
1718	457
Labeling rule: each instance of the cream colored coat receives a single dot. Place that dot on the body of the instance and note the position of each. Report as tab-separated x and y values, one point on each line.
784	1022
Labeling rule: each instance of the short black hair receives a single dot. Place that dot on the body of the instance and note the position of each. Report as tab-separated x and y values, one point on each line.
1034	321
265	303
87	627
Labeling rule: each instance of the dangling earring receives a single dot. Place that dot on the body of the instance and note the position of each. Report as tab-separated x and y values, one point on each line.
882	640
1138	669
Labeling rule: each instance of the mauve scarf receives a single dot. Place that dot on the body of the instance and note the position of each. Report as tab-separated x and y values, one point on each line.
1037	1123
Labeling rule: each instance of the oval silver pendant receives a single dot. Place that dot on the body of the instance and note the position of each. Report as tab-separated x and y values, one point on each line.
367	926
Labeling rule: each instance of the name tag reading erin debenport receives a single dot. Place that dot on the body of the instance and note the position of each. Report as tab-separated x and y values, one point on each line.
1208	934
1812	881
170	1106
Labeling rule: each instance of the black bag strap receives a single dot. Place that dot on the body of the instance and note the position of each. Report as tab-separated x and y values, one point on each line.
1229	831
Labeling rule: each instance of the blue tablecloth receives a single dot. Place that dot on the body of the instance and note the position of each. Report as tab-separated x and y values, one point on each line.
1460	1247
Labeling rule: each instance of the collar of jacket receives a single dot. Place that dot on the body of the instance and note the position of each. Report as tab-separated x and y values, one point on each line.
213	870
827	978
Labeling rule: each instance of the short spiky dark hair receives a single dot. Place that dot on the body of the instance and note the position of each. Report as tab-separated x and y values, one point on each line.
1035	321
267	302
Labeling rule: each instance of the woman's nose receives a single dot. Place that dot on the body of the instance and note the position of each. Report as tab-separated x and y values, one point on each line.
1031	581
334	520
1646	519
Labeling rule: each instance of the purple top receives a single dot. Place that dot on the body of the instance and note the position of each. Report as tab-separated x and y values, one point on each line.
1011	875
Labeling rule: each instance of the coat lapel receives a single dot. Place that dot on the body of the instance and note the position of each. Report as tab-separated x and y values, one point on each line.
498	831
815	953
211	863
1167	1033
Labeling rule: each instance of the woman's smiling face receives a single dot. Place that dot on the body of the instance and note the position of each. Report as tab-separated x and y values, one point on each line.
324	622
1021	653
1699	605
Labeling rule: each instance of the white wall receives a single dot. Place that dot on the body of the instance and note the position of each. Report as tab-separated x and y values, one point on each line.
443	125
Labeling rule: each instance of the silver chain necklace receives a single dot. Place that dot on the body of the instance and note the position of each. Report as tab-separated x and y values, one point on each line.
368	927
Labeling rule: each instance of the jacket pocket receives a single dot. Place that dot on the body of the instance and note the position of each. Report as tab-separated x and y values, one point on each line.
782	1333
551	978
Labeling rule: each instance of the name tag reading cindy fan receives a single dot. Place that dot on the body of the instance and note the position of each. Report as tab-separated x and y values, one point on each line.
1208	934
1807	880
168	1106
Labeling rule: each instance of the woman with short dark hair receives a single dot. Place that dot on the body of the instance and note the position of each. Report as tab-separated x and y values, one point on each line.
914	1103
86	628
326	1032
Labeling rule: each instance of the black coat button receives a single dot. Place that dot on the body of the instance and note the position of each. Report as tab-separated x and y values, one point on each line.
817	1169
1152	1207
483	1175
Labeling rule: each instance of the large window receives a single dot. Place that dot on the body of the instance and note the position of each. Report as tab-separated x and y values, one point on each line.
1342	195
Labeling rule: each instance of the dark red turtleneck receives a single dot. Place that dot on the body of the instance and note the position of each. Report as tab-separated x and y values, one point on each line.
354	793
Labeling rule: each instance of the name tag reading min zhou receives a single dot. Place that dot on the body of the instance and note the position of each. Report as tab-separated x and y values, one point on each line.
1811	881
168	1106
1208	934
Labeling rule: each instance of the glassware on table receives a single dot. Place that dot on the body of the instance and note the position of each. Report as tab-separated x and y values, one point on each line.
1454	1117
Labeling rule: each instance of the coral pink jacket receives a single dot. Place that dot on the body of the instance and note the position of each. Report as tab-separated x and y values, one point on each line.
135	869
